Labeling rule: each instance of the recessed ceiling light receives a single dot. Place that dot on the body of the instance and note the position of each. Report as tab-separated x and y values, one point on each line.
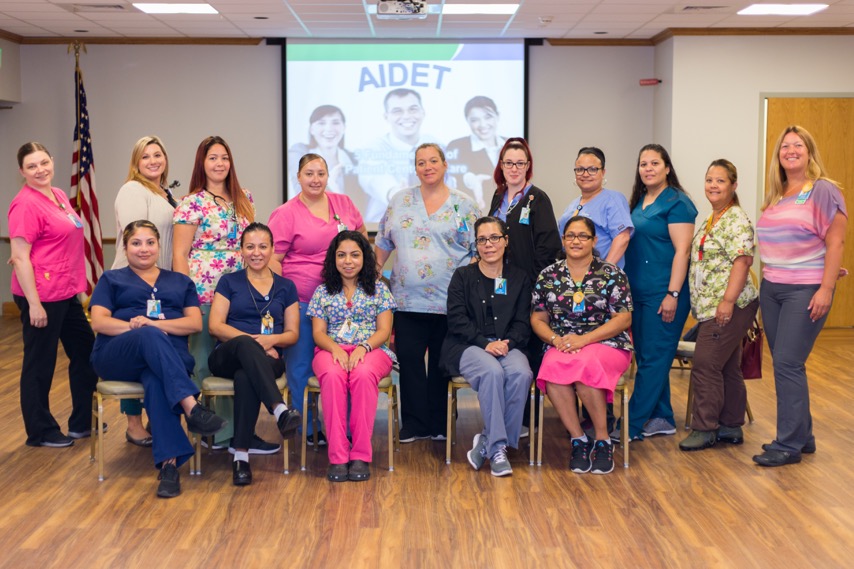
782	9
153	8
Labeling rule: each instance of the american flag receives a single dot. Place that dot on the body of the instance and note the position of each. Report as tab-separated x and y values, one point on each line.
83	199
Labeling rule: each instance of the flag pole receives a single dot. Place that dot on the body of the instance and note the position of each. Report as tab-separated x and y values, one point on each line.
76	46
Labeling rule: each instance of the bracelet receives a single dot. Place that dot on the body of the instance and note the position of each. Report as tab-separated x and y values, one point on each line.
367	346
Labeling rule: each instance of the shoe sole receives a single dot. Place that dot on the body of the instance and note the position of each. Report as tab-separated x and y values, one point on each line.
413	439
258	451
338	477
56	445
579	471
170	494
359	477
693	449
502	473
731	441
664	432
804	450
208	433
771	465
597	471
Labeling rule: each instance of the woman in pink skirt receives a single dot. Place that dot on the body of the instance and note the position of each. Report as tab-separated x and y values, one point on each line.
582	311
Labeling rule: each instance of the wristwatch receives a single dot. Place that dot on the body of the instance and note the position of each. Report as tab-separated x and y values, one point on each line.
673	293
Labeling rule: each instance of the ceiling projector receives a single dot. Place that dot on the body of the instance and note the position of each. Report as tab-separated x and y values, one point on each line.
401	10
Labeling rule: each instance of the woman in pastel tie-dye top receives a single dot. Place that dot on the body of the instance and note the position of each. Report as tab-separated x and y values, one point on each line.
801	233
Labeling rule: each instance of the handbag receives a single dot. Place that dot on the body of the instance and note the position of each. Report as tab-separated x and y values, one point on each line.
751	351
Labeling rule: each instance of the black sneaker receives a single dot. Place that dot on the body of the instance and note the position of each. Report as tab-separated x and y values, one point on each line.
580	460
55	439
205	422
170	481
319	437
602	457
257	446
410	437
289	422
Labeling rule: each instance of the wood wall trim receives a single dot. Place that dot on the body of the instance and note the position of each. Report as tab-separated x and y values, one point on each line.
671	32
142	41
10	36
598	42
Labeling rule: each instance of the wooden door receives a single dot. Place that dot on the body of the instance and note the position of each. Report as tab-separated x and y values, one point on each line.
831	122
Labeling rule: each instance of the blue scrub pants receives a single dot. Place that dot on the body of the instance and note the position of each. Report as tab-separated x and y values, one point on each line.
655	347
298	360
148	356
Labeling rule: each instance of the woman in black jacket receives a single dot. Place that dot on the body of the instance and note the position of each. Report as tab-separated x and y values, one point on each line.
488	330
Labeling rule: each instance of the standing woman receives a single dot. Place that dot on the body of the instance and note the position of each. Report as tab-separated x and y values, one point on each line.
47	257
432	229
208	223
145	195
657	267
724	302
607	209
302	229
801	234
351	315
489	305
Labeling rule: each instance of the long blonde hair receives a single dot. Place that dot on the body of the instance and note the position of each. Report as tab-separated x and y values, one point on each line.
776	174
134	175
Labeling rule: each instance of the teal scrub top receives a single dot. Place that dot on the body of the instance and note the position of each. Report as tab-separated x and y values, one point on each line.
649	256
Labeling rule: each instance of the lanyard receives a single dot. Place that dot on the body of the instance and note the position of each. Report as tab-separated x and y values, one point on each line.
710	223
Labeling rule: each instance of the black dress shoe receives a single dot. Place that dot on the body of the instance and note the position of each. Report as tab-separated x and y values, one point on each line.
241	473
359	471
288	422
337	473
776	458
808	448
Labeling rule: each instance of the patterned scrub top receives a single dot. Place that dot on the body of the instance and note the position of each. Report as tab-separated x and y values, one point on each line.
731	237
362	313
429	248
606	290
216	245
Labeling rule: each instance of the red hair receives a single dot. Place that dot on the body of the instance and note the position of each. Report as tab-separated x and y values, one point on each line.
198	180
512	144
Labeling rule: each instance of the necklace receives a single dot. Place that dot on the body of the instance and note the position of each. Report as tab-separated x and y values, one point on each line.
266	319
710	224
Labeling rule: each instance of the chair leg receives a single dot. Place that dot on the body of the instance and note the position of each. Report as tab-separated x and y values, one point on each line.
531	444
451	427
396	419
95	419
315	408
304	427
390	407
542	397
749	412
100	434
624	426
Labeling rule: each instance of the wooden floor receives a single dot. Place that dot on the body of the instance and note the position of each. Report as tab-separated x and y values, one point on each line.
669	509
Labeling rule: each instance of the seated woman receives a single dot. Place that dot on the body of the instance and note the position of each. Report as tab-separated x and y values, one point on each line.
582	309
143	315
254	314
351	318
488	330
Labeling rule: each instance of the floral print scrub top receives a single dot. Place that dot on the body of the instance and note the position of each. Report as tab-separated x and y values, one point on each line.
216	245
361	314
429	248
731	237
605	288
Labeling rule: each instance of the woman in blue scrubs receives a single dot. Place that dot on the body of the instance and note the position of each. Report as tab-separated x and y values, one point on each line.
143	315
657	267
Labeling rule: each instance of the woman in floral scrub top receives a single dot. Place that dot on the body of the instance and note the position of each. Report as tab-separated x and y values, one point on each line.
206	240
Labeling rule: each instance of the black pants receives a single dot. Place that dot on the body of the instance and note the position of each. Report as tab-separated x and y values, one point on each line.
254	373
66	323
423	391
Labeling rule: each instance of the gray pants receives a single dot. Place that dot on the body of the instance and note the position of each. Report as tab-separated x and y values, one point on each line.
502	386
791	335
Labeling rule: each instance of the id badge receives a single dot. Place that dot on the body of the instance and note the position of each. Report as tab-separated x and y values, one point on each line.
267	324
462	225
347	333
152	309
525	215
501	286
232	230
578	307
75	220
698	277
802	197
342	227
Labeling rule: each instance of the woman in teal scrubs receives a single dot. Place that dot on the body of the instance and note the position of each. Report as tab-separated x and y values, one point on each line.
657	267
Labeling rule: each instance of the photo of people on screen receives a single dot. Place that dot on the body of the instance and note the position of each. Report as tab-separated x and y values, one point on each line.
326	138
387	164
472	159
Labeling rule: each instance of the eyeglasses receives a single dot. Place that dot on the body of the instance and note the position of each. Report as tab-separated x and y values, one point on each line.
591	170
583	237
520	165
492	239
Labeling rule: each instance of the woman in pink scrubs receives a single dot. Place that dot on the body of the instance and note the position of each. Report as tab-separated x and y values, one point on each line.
47	256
